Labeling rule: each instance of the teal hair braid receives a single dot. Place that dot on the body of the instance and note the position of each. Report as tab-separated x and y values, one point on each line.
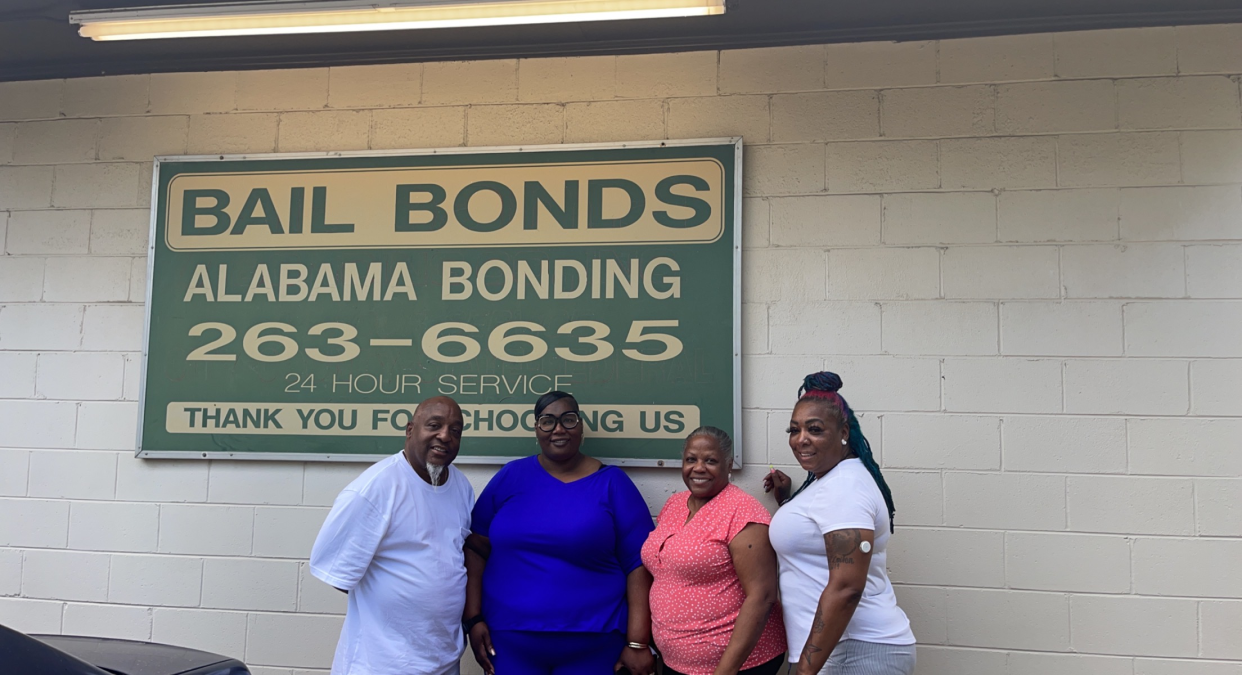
860	446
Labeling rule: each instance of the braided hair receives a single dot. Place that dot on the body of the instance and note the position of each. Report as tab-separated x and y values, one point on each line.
823	386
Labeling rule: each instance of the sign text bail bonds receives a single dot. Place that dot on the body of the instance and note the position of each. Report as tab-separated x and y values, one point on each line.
623	203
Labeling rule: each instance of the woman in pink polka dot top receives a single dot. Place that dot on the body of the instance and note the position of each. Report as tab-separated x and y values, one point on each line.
713	600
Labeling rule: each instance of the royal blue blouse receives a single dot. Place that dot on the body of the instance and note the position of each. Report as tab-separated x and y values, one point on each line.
560	551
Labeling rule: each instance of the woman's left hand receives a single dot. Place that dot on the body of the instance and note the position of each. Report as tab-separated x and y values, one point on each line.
637	661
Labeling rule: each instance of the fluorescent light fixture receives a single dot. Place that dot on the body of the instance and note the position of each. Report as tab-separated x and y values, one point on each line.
282	17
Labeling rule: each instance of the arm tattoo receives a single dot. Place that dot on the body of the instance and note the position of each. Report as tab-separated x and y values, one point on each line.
818	626
841	546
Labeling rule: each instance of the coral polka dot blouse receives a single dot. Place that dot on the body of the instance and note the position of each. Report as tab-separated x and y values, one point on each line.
696	595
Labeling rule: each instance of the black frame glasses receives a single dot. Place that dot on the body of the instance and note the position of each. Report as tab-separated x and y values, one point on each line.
568	420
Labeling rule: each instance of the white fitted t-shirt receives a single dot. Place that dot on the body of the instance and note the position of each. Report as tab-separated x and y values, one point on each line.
395	543
845	498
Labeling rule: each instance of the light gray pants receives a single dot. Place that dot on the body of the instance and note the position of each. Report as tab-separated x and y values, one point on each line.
855	657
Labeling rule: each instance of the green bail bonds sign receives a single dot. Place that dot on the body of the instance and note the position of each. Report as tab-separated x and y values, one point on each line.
300	306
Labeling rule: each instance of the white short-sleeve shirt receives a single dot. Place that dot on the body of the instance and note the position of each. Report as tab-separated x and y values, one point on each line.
394	543
845	498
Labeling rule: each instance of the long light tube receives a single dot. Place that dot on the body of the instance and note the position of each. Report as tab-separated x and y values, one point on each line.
277	18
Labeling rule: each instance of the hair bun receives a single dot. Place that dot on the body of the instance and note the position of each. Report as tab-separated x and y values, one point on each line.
822	381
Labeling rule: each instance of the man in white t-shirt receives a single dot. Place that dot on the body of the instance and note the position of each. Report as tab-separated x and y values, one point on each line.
393	542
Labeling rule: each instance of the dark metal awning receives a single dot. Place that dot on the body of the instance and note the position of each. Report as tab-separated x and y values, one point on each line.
38	42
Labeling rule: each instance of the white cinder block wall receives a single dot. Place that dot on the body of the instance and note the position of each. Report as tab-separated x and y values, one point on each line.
1024	255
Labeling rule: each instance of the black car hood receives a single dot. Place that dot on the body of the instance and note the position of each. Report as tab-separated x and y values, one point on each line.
20	654
135	658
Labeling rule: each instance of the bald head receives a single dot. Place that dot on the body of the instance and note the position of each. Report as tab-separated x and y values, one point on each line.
435	402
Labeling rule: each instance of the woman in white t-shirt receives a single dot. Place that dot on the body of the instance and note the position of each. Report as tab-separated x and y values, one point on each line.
831	538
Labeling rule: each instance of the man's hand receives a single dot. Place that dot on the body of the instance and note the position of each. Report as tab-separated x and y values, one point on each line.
636	661
778	481
481	643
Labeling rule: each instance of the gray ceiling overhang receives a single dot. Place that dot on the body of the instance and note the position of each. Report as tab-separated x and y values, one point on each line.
37	41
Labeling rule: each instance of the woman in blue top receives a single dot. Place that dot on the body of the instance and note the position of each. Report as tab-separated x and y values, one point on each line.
556	583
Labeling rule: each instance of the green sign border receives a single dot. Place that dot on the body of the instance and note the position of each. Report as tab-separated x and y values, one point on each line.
458	154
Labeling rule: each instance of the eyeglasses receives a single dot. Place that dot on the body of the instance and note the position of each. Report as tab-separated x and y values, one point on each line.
567	420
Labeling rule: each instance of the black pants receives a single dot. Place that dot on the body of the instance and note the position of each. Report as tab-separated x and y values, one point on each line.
769	668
